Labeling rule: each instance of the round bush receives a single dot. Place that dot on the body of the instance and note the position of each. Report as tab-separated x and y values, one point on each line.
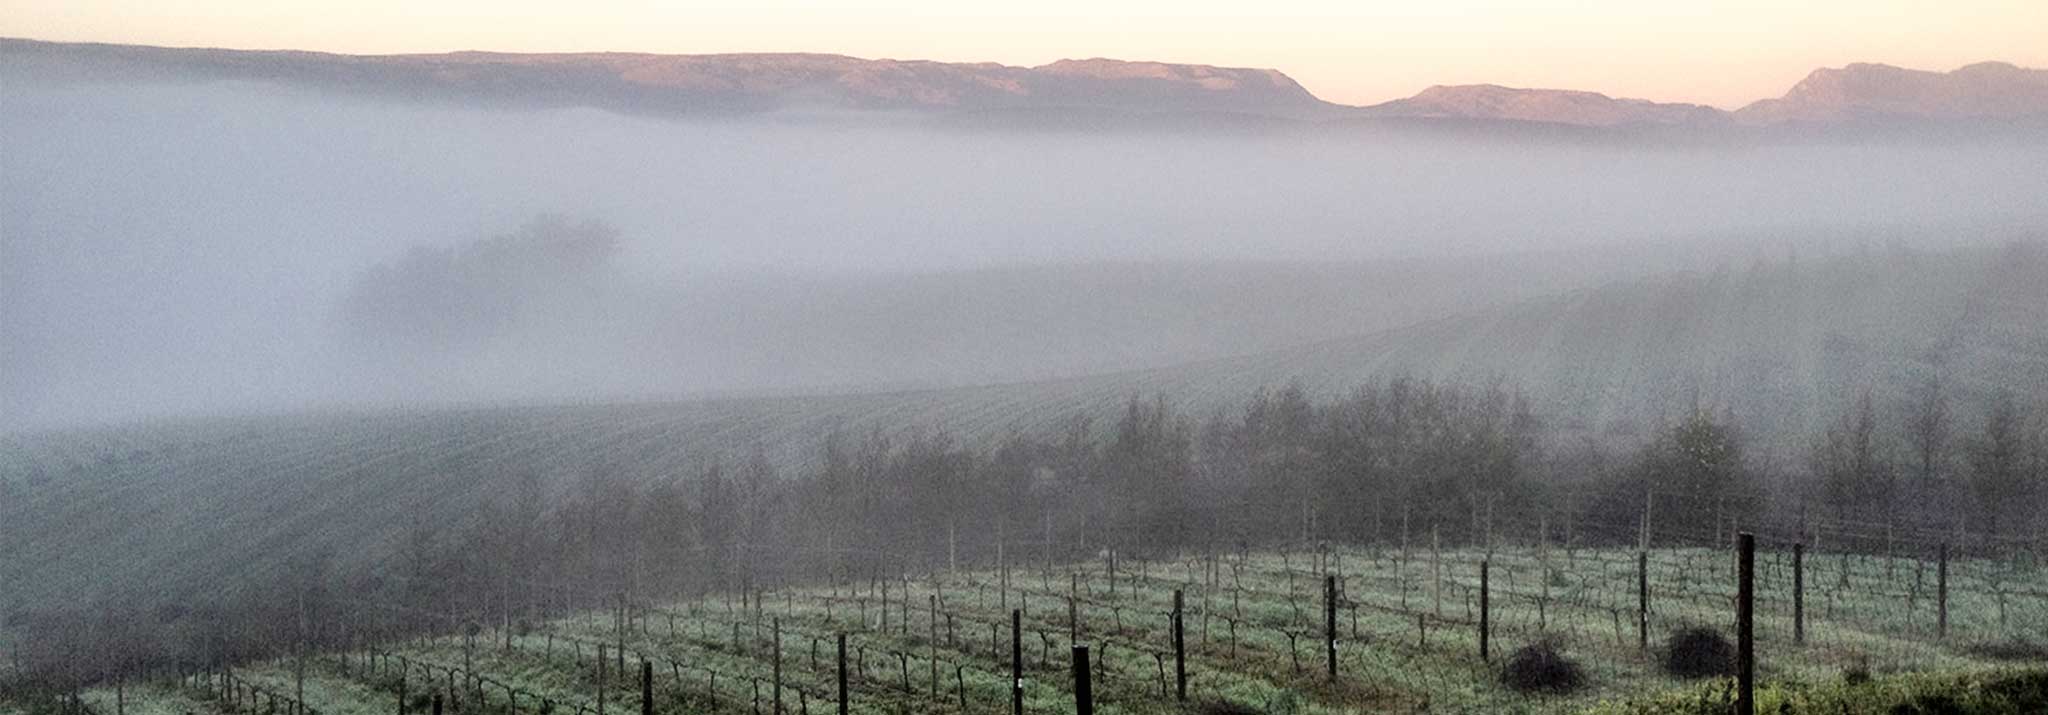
1538	667
1699	652
1857	673
1226	707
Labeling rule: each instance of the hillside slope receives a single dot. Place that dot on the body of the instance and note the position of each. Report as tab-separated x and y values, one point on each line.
1781	346
167	510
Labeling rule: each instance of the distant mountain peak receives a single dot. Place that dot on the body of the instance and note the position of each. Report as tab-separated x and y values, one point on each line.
1558	106
1863	90
1990	67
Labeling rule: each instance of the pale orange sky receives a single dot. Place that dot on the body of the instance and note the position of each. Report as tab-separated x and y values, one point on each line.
1724	53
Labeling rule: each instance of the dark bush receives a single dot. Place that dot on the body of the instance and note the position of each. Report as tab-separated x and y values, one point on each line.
1225	707
1539	667
1858	672
1699	652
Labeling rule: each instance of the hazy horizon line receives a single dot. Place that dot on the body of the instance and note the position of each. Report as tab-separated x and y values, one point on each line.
1550	87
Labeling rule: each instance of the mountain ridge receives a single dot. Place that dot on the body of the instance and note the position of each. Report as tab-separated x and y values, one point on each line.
702	84
755	83
1871	90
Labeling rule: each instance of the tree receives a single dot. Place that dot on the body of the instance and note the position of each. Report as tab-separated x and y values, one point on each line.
1927	436
1696	471
1149	461
1999	462
1276	438
1855	478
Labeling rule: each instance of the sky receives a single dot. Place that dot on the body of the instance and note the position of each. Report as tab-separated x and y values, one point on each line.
1724	53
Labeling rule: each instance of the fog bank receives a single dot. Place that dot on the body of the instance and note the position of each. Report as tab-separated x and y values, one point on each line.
192	248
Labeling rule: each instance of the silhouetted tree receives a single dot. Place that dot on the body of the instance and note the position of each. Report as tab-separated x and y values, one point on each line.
1999	463
1855	477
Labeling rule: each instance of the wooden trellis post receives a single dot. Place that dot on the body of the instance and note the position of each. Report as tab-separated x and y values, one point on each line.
647	688
1643	600
1799	593
1180	652
1330	623
1745	703
1084	700
1016	662
1484	624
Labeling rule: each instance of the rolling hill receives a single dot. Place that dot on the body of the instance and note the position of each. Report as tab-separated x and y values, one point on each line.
166	510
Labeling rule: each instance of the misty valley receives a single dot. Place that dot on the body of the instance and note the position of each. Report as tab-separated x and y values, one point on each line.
558	384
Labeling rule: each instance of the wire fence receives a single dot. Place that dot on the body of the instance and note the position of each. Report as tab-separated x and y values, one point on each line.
1399	623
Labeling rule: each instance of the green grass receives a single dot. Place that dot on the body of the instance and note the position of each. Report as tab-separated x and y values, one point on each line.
1385	662
2005	691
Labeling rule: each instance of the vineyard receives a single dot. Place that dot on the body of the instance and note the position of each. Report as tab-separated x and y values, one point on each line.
1402	627
126	509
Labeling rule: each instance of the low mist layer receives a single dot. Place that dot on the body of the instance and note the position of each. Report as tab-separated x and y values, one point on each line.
205	248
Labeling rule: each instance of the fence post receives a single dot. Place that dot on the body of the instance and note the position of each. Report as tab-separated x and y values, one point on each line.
1643	600
600	678
1084	701
647	688
437	704
1180	652
1485	629
1941	579
775	628
842	674
1799	593
401	693
1330	623
1745	604
1016	662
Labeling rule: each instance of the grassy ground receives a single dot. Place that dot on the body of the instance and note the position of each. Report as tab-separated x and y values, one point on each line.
1407	640
2009	691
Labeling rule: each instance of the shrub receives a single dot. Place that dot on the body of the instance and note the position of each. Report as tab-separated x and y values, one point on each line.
1699	652
1226	707
1539	667
1858	672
